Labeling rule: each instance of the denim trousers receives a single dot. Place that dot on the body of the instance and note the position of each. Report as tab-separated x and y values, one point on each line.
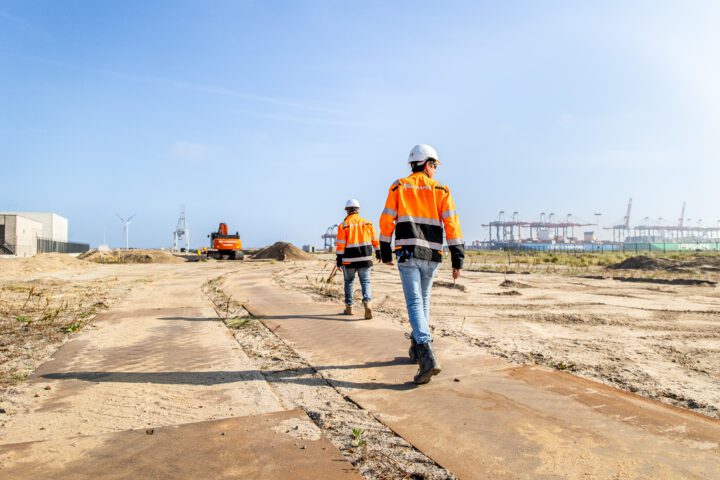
417	276
364	274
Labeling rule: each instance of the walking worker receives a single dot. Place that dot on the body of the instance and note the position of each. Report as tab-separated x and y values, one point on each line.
416	210
356	240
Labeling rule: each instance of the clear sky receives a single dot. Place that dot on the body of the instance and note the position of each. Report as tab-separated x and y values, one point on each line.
269	115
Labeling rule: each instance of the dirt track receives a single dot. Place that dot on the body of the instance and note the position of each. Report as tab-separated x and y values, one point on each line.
159	355
162	356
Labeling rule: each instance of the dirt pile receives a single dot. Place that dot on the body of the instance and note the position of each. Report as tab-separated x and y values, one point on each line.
643	262
444	284
508	293
514	284
704	262
42	262
131	256
283	251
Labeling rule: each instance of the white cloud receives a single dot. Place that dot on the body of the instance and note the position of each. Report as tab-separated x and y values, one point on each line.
193	151
197	87
566	119
303	120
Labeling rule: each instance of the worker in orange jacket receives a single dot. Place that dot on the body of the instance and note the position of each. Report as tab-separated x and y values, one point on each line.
419	210
356	240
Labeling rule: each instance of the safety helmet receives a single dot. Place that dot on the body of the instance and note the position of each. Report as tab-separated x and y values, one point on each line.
422	153
352	203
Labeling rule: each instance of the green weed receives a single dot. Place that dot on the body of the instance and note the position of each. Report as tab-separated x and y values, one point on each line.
358	440
17	377
561	365
72	327
239	322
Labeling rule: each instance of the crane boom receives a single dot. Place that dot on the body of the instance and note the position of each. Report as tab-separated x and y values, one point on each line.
627	216
682	216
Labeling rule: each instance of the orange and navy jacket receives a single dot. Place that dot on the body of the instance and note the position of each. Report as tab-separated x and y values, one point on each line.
356	240
416	210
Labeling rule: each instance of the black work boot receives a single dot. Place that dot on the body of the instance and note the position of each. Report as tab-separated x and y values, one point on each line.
428	365
412	353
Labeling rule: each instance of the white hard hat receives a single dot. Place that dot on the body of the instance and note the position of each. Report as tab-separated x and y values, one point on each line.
352	203
422	153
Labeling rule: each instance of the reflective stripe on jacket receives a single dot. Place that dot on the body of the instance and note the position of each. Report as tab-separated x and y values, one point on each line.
356	241
417	210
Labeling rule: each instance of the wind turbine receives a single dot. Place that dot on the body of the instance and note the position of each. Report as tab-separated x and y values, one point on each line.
126	224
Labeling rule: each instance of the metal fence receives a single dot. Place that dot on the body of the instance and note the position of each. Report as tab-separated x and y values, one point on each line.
606	248
47	245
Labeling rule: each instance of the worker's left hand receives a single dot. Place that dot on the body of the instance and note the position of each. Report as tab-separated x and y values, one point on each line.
456	273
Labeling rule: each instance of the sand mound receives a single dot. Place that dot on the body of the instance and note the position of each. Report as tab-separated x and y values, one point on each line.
507	292
706	262
444	284
513	284
283	251
131	256
643	262
42	262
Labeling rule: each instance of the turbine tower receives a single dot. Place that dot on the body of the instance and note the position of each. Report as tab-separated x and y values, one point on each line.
126	227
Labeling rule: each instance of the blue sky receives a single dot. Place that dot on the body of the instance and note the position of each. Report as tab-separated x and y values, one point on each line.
270	115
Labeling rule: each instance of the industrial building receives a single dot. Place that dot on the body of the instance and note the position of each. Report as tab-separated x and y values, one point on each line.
25	234
18	235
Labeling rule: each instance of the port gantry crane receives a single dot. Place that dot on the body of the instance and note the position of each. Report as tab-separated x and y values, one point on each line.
181	233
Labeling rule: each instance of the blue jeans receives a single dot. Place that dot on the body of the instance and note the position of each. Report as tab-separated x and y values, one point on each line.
417	278
364	274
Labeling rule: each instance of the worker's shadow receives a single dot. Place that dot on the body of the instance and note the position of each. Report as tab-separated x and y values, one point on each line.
309	376
337	317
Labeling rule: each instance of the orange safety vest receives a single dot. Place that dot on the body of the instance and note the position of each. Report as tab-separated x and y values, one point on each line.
416	210
356	240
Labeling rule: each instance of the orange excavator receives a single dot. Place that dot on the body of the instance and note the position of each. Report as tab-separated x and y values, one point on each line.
223	244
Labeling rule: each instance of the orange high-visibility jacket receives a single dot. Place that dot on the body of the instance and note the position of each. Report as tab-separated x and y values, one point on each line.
416	210
356	240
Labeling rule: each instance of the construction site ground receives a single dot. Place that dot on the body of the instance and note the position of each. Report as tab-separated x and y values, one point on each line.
247	369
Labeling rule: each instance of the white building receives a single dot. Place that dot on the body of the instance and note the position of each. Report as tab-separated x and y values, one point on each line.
54	227
19	231
18	235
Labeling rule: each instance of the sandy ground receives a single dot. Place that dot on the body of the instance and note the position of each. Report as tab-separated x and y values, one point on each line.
44	300
375	450
155	356
659	341
160	356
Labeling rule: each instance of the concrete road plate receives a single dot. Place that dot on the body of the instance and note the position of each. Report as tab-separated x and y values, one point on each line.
534	423
279	445
486	418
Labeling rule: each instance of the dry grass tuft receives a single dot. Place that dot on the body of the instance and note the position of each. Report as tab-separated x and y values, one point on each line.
39	314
